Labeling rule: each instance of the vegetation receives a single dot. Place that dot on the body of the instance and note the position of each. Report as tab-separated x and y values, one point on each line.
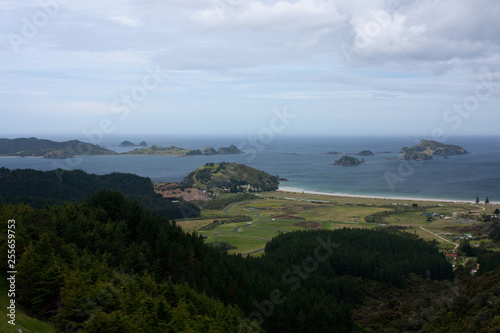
347	161
108	264
131	144
49	149
176	151
365	153
230	177
41	188
105	263
428	148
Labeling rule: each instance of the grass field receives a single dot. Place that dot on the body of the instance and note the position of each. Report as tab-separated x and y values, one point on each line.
285	211
24	322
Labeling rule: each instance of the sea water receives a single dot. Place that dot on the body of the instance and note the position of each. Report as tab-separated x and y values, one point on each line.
304	162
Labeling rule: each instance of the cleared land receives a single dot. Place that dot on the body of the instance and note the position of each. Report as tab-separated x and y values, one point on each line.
281	212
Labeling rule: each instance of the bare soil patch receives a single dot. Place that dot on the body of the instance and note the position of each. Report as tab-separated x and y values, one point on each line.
175	191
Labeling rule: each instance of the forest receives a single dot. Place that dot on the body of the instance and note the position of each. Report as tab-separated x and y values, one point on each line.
108	264
41	188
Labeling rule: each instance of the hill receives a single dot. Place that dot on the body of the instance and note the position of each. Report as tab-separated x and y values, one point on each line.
231	177
426	149
176	151
41	188
49	149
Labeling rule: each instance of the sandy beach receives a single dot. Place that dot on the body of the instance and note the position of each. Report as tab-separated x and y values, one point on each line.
299	190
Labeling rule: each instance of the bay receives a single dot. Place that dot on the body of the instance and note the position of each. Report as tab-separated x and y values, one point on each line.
304	162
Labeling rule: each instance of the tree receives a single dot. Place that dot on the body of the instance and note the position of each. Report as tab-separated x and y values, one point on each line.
497	211
477	200
487	201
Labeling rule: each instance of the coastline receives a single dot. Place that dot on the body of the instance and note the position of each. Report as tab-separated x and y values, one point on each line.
335	194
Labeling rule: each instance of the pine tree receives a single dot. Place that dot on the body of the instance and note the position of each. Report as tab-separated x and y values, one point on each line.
487	201
477	200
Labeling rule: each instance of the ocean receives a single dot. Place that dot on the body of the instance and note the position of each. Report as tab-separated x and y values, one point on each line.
307	167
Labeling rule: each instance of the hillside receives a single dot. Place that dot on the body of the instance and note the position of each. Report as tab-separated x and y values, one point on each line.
49	149
107	265
426	149
176	151
231	177
41	188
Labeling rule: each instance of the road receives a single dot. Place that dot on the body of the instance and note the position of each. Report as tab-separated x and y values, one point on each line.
456	245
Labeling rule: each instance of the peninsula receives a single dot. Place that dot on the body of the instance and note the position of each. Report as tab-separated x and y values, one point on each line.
24	147
176	151
426	149
230	177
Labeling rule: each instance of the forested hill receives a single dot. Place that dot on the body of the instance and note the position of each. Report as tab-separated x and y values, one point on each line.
109	265
40	188
232	177
49	149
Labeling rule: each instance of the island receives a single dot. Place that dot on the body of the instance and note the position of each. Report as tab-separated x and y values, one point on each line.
426	149
230	177
365	153
333	153
131	144
347	161
23	147
176	151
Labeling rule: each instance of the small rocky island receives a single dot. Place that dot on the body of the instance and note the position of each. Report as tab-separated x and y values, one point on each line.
131	144
365	153
333	153
348	161
426	149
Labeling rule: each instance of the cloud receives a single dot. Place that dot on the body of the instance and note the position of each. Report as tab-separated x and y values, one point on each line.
278	15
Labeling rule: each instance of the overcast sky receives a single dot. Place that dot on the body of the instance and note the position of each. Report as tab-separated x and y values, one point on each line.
327	67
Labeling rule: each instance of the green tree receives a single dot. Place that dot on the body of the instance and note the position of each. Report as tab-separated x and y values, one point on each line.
487	201
477	199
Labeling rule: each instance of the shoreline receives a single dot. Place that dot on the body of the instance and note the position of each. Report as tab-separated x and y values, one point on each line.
335	194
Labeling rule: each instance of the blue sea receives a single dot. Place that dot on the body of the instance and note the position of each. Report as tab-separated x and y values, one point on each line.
304	162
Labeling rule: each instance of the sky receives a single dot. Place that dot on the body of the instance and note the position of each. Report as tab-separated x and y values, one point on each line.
240	67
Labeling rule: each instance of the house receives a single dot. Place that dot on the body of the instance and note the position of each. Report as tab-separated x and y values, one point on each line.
467	236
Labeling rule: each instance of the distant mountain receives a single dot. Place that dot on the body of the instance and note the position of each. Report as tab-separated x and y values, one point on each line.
49	149
230	177
130	144
428	148
176	151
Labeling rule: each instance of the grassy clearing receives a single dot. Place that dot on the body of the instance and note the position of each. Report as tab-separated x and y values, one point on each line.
244	245
193	225
281	210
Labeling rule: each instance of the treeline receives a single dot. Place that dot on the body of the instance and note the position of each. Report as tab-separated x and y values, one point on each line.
108	264
41	188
